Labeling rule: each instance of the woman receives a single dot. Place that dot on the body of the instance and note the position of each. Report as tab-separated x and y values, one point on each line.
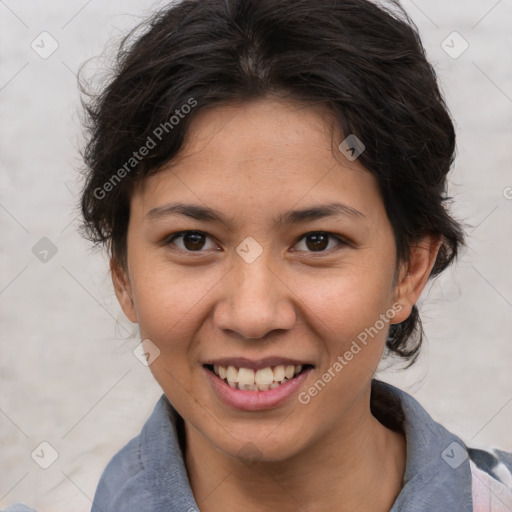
269	178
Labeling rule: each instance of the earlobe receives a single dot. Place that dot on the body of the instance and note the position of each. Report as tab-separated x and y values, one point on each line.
122	288
414	275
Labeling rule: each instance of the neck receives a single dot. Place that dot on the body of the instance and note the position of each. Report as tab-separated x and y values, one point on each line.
358	466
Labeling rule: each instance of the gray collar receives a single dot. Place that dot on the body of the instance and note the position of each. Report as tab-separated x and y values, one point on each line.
437	475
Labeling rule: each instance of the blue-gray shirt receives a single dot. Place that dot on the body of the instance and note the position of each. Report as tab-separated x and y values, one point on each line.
149	473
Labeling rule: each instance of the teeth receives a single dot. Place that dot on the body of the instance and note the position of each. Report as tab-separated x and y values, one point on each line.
246	377
289	372
264	377
248	380
279	373
232	374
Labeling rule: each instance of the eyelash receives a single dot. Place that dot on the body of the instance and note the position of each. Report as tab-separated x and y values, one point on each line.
342	242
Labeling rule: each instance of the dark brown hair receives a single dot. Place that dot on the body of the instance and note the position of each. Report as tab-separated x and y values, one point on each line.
364	62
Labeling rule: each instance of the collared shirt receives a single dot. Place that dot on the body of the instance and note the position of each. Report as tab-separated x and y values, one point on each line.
442	474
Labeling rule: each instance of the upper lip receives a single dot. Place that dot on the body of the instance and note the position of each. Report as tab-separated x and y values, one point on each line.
255	364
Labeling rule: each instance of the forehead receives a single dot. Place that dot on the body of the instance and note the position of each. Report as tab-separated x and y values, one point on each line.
263	129
266	152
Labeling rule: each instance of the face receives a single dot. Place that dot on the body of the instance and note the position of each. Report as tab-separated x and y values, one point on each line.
262	259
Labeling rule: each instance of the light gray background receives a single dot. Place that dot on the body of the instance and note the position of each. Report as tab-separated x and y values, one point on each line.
69	376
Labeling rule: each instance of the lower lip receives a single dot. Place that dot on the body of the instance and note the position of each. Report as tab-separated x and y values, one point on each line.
255	400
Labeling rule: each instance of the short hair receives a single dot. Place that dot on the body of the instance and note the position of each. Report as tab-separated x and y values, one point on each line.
364	62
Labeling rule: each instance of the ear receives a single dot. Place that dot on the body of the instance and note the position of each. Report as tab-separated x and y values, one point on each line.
123	289
414	274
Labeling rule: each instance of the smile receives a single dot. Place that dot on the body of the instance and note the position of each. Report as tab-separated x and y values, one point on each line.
247	379
252	386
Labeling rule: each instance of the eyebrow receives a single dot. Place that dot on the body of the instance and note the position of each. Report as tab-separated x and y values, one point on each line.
205	213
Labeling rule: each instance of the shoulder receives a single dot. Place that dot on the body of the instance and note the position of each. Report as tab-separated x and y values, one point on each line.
497	463
442	472
491	480
122	481
149	472
121	486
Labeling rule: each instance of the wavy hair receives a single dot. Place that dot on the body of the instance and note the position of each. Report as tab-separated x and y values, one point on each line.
364	61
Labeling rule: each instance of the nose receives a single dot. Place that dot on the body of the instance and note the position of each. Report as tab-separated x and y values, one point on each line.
255	301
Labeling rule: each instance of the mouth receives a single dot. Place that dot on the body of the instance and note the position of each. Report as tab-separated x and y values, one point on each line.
263	379
248	385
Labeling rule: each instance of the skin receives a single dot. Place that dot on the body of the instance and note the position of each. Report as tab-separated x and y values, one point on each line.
253	162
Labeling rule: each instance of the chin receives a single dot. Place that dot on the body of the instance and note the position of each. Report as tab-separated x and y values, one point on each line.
259	441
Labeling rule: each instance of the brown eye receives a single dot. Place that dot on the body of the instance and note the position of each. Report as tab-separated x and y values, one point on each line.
193	241
190	241
317	241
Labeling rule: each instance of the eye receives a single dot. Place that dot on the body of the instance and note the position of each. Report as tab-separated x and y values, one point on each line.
318	241
190	241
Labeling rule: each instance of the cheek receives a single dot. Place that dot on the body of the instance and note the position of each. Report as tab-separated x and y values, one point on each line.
352	315
170	304
164	293
348	301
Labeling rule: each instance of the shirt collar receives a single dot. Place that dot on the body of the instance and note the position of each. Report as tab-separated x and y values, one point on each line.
437	474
